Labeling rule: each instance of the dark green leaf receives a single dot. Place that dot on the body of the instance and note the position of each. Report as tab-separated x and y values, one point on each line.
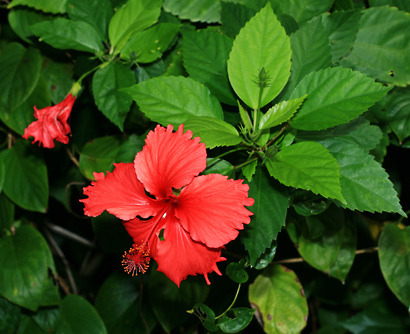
95	13
327	241
205	53
234	16
266	258
270	52
302	10
19	75
79	316
270	208
212	131
48	6
47	318
236	272
398	111
9	316
29	326
206	315
107	84
170	303
26	182
382	45
59	79
308	166
133	16
394	255
403	5
122	307
199	10
219	166
148	45
335	96
62	33
25	260
365	184
6	213
279	300
236	320
172	100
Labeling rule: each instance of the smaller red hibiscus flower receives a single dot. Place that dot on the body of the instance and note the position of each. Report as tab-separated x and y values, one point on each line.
176	217
51	123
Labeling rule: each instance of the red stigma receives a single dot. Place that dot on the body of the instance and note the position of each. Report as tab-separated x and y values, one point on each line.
136	259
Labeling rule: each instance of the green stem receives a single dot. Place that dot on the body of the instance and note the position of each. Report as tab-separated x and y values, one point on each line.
226	153
245	163
230	306
277	135
91	71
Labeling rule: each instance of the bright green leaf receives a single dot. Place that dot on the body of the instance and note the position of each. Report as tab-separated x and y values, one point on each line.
269	215
25	260
62	33
365	184
48	6
212	131
280	113
26	182
249	170
335	96
199	10
205	53
148	45
119	304
261	44
79	316
95	13
133	16
308	166
19	75
279	300
173	100
382	45
107	84
333	249
394	255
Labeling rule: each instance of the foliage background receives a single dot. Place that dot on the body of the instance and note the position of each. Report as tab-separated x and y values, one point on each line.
60	271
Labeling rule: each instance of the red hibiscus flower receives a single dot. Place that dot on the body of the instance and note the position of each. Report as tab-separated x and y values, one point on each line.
176	217
51	123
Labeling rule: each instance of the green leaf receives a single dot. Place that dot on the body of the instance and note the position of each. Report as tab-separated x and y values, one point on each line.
20	20
308	166
279	300
6	212
59	79
213	132
62	33
172	100
382	45
206	316
19	75
10	316
394	256
332	250
205	53
266	258
199	10
148	45
246	120
236	320
26	182
25	260
29	326
261	44
48	6
270	208
219	166
365	184
280	113
133	16
122	307
101	14
47	319
236	272
249	170
398	113
79	316
107	84
403	5
335	96
170	303
99	154
302	10
234	16
310	51
19	118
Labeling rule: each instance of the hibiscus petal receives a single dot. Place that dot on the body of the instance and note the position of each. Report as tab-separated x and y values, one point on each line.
141	232
169	160
179	256
120	193
212	209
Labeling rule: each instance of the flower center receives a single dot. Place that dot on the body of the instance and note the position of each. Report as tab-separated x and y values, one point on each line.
136	259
